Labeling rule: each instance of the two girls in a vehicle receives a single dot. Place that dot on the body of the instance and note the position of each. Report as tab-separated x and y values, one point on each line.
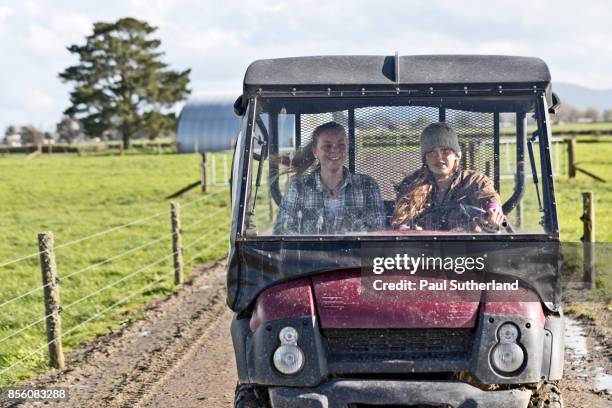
331	200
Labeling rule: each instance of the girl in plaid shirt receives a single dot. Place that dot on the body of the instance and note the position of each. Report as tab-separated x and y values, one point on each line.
329	199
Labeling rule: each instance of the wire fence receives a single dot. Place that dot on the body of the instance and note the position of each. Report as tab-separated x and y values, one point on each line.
95	316
206	228
507	159
218	170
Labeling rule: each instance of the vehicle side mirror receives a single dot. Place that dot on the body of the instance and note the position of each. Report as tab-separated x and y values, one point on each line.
556	103
239	106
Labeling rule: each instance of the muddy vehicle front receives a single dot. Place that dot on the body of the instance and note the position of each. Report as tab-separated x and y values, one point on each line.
395	234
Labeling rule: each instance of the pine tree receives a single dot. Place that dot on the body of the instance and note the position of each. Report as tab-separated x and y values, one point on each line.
120	83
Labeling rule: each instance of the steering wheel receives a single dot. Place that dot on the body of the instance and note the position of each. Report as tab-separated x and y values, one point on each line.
484	224
470	215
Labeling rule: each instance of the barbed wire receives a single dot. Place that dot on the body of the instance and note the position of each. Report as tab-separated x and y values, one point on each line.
88	296
42	319
209	216
110	285
160	260
81	324
208	246
88	268
208	195
109	230
97	234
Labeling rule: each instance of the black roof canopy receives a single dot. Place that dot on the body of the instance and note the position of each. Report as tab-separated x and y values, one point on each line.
429	74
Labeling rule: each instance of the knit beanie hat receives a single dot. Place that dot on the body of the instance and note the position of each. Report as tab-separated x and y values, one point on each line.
439	134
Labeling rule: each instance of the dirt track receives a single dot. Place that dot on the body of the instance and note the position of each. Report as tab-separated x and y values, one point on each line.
181	355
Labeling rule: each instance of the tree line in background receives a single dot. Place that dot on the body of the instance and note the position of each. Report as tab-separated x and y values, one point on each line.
121	88
568	114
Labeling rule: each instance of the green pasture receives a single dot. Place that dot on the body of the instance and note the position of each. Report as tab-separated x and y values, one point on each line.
80	196
595	156
75	198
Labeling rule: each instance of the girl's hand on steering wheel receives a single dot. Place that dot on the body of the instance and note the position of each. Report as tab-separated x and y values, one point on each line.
495	215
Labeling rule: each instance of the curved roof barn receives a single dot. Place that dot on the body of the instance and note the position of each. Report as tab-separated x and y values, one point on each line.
207	124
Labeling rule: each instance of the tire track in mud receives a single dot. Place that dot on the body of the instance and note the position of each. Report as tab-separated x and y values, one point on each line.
205	378
158	366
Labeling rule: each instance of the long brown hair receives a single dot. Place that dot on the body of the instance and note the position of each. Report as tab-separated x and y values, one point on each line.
413	194
304	159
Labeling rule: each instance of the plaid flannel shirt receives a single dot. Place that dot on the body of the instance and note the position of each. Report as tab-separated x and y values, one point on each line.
302	211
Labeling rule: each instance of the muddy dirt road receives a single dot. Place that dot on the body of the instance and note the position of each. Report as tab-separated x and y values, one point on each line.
180	355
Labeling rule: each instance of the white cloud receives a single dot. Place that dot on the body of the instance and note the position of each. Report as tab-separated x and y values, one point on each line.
43	41
34	8
218	39
35	99
5	11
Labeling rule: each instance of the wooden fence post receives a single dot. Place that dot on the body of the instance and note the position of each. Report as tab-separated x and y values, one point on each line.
213	170
571	157
52	299
177	247
225	173
588	238
203	172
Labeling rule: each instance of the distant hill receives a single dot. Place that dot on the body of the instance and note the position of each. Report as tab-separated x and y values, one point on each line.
581	98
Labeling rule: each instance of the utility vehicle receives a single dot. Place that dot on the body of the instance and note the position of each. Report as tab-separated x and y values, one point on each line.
310	328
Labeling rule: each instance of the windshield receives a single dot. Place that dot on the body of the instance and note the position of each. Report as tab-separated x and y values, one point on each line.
395	166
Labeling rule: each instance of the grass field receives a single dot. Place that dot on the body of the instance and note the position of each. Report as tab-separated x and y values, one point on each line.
76	197
594	155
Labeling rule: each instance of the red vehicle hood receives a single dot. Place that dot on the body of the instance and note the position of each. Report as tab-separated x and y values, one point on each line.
342	302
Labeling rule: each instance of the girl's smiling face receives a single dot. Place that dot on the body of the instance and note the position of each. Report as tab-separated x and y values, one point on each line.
331	150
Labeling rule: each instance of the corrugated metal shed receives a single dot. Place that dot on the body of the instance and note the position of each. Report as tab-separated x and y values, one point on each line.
207	124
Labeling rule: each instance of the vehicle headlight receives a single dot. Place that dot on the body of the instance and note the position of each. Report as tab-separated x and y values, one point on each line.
288	359
507	357
288	335
508	333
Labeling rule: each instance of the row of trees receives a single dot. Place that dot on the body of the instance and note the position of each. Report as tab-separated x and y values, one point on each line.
121	87
568	114
66	131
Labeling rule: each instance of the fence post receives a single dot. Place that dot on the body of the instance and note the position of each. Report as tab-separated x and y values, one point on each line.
52	299
225	173
213	170
177	247
203	172
588	238
519	208
571	157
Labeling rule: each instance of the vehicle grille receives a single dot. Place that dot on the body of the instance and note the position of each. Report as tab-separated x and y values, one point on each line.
402	341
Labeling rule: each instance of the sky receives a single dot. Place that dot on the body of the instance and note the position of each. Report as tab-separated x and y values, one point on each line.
218	39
